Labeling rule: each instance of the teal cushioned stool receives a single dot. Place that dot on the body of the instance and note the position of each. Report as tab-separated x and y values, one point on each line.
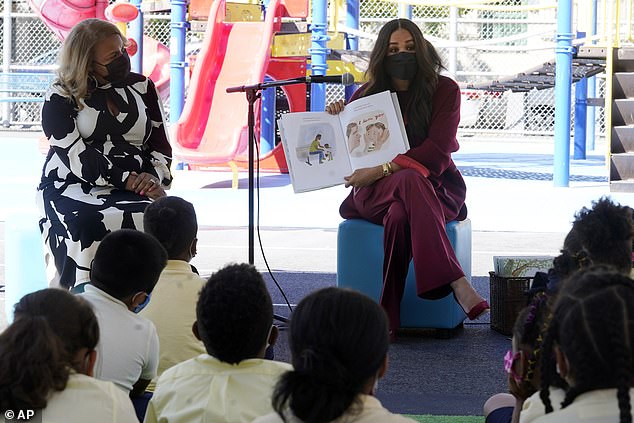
360	267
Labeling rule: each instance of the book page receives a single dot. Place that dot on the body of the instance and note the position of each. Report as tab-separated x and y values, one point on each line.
374	130
315	150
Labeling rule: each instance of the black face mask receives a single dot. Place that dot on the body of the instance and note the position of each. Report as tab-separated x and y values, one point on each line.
118	69
402	65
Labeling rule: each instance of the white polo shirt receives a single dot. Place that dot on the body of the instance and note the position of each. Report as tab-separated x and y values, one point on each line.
128	348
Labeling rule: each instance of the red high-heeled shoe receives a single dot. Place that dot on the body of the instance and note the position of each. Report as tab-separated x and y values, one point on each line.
478	310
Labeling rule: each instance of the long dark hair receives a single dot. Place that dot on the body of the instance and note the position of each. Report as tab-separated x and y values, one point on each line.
38	349
339	340
422	87
593	325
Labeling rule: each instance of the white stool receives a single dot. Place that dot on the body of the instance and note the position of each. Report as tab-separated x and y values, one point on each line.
23	259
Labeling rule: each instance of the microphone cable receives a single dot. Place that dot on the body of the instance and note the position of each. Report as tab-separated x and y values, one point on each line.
257	226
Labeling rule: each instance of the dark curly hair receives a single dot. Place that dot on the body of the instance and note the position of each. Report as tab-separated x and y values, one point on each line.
605	231
339	341
127	262
37	351
593	325
234	313
422	87
172	221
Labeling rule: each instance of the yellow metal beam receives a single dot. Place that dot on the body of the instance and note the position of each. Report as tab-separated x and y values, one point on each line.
338	67
293	45
243	12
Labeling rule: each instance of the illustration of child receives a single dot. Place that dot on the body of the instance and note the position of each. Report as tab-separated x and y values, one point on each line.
327	153
376	134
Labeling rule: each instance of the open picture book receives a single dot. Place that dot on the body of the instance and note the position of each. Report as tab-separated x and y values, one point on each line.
322	148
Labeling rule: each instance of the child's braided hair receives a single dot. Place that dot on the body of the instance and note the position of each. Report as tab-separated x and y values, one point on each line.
593	325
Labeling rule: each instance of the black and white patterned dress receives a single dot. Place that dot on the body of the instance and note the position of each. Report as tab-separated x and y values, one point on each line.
82	193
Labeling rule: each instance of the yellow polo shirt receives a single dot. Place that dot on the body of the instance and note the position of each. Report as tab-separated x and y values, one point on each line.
205	389
367	410
172	309
86	399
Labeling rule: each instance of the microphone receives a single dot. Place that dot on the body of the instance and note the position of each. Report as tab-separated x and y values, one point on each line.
346	79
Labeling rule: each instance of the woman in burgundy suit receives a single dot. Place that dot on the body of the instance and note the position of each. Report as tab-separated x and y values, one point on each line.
418	192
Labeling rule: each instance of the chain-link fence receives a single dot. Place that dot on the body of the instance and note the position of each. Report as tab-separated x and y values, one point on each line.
478	43
485	43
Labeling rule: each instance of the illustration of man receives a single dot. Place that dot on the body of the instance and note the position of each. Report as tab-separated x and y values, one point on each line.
316	149
354	140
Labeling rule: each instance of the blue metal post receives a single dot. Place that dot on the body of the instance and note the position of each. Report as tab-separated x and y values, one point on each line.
267	111
563	82
581	108
592	86
136	33
405	11
352	21
177	58
267	119
318	53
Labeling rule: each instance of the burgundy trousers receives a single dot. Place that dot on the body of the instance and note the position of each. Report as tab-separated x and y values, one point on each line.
414	218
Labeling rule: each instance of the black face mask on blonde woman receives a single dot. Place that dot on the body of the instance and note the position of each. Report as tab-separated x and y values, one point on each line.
118	69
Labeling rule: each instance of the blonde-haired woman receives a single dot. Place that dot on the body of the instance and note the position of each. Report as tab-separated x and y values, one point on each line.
109	154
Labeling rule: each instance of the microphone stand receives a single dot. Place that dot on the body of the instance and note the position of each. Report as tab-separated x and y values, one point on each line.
253	94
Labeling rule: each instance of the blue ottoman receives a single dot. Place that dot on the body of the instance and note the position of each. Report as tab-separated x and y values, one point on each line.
360	267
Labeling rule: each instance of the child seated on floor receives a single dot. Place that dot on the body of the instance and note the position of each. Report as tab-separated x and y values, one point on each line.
172	221
125	269
600	235
339	341
232	382
589	345
522	364
47	357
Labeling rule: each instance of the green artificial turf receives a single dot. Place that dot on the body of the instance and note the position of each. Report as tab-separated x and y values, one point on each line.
447	419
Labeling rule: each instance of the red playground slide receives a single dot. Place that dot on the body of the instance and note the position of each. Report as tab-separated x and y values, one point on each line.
213	125
61	15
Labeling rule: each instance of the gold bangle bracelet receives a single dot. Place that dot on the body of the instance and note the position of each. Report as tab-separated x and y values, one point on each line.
386	169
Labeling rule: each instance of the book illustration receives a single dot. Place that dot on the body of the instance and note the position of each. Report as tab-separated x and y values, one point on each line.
367	133
322	149
313	147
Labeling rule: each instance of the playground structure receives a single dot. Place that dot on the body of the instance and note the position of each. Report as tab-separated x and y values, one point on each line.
61	15
478	41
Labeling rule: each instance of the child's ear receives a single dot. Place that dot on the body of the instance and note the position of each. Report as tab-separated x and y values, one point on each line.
273	335
193	247
91	359
383	368
137	299
521	366
562	362
195	330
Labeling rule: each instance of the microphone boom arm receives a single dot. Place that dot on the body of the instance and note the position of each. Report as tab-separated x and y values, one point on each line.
264	85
